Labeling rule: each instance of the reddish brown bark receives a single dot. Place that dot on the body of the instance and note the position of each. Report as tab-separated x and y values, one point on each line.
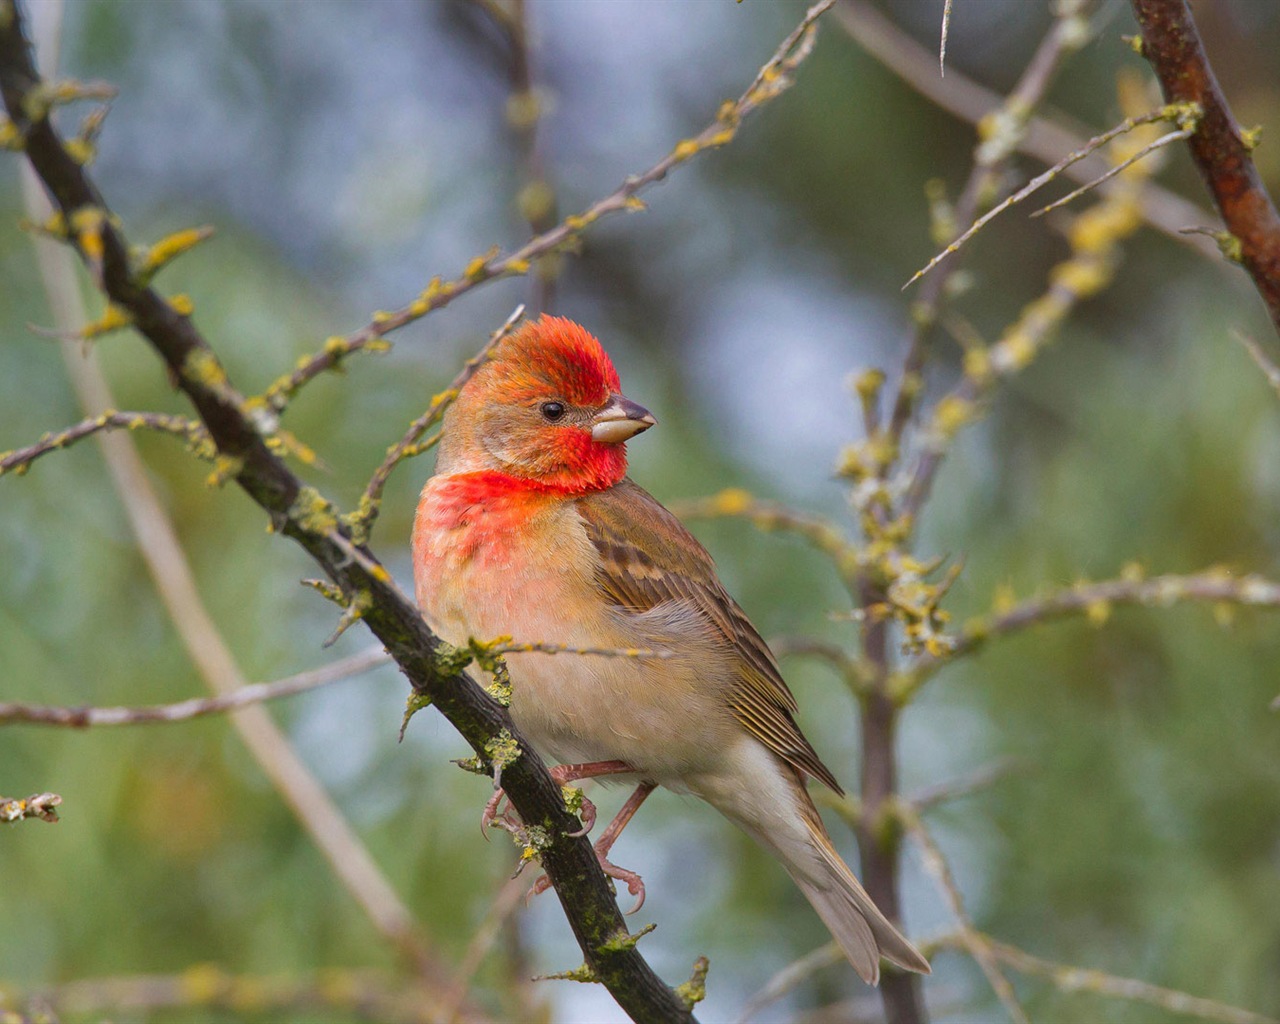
1173	47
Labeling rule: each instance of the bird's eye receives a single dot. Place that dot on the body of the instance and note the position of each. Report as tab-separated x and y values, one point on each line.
552	410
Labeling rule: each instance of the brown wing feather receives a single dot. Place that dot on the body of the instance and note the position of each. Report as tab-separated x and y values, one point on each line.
647	558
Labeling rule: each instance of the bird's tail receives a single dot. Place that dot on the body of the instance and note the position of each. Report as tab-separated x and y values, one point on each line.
856	923
780	815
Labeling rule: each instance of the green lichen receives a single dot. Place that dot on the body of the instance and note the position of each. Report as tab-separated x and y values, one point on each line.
534	839
573	798
416	702
225	467
450	660
503	750
620	941
313	512
492	662
693	991
202	367
583	974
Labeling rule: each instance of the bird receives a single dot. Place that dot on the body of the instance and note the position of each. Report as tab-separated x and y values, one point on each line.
530	528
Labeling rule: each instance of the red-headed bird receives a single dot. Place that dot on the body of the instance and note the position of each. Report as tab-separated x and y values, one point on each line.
530	528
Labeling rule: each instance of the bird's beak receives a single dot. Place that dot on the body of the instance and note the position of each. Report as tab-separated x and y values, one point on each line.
620	420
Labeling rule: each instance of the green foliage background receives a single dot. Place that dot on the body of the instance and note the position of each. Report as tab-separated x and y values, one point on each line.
1141	831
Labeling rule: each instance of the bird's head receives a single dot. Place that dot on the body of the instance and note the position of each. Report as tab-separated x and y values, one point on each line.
547	406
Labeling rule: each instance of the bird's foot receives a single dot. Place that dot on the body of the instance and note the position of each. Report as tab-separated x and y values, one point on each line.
634	883
490	816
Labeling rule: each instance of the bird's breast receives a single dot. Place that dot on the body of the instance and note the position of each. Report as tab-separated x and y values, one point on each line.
489	565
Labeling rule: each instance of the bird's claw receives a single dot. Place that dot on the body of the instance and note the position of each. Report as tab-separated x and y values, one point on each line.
635	884
586	814
490	816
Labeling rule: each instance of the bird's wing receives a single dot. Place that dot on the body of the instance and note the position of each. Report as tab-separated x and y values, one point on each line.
648	558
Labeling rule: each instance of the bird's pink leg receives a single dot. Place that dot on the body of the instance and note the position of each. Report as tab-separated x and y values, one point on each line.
565	773
562	773
635	884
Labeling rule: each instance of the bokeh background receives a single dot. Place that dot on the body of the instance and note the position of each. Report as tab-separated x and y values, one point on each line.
348	152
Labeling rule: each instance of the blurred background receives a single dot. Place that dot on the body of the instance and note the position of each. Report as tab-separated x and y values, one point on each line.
348	152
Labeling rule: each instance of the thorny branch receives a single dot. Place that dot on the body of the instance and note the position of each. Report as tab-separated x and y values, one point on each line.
999	134
1222	151
1184	114
1043	138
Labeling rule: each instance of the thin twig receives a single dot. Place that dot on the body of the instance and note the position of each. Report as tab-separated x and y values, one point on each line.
790	978
769	516
508	900
1096	600
162	551
1072	979
1043	138
1265	363
771	81
953	789
942	43
42	806
975	943
525	109
181	711
338	993
407	446
1222	152
1040	180
1160	143
19	459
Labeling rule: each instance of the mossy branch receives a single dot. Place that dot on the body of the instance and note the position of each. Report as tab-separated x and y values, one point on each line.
19	460
1094	601
235	426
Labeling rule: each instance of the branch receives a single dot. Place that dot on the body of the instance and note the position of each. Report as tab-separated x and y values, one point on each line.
1263	361
338	993
976	944
525	108
1184	114
1043	138
20	459
38	805
1095	600
771	81
791	977
302	514
1094	237
171	572
1084	979
1000	130
1221	151
769	516
182	711
408	447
